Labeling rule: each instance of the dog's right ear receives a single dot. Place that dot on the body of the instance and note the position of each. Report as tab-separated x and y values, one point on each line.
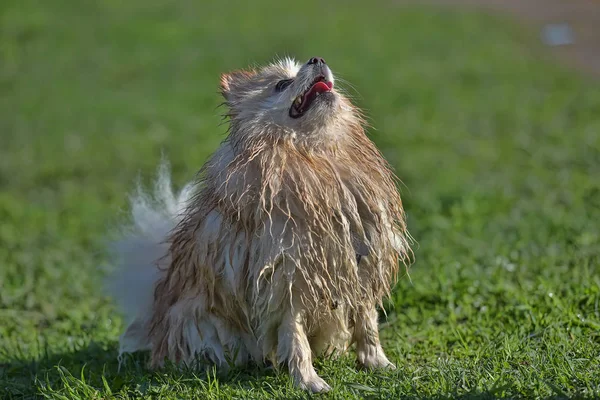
234	84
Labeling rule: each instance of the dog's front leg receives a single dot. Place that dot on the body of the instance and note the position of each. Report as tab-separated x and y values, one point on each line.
366	335
293	347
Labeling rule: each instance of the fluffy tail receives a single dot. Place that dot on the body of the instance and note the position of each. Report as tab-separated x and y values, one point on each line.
136	253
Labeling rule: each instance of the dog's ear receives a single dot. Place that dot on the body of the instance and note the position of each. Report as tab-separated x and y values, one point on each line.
235	83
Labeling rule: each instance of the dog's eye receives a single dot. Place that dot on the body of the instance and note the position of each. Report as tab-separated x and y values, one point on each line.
281	85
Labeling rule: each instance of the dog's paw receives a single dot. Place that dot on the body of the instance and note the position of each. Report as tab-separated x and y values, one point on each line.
315	385
374	358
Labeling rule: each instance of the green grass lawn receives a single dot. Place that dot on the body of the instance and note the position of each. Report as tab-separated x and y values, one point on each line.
498	149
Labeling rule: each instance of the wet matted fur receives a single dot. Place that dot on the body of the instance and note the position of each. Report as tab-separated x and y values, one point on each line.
282	248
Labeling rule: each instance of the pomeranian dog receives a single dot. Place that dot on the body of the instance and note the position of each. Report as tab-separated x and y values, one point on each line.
284	246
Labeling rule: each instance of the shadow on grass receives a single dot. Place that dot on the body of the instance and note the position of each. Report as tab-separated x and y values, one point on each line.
96	369
93	372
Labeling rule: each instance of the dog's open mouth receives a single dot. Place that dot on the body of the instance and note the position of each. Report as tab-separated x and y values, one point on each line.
304	101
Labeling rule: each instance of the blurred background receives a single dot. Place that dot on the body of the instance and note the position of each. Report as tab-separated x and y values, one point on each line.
488	110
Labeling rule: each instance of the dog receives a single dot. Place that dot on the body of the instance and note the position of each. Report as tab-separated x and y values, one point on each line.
281	249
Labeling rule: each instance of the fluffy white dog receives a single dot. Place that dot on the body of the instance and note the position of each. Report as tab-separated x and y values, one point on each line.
282	248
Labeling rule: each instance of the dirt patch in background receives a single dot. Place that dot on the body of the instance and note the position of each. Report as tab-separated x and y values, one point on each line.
582	17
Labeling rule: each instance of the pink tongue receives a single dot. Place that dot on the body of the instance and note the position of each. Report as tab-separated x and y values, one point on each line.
319	87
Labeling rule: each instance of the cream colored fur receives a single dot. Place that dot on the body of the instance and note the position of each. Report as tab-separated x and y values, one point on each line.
281	250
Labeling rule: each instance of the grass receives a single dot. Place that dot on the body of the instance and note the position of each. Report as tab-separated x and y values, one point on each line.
499	151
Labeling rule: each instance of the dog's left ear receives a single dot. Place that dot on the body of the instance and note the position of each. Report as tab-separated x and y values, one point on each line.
234	84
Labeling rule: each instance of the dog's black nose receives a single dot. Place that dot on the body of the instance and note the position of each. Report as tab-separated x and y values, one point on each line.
317	60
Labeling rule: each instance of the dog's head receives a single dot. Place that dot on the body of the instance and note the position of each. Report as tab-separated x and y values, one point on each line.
287	98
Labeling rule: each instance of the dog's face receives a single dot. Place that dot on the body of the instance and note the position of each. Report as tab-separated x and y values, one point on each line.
287	98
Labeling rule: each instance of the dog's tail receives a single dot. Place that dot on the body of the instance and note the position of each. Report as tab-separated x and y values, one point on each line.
137	253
